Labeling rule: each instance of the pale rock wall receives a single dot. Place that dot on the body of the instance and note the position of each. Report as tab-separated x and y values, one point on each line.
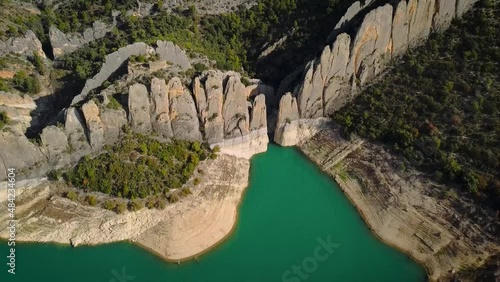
67	43
24	46
352	61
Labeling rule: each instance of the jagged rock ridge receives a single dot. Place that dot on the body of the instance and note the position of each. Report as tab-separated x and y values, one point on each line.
352	61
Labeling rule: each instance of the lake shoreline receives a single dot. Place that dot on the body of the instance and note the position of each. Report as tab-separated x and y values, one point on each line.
390	208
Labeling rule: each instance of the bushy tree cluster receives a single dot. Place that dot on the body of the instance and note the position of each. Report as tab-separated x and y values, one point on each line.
139	166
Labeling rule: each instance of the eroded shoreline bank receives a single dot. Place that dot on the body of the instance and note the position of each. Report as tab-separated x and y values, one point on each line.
181	231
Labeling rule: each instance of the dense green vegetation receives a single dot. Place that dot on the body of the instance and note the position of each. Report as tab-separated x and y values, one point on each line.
26	83
440	106
235	40
139	166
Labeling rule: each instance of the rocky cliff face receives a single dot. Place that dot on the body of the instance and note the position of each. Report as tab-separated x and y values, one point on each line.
24	46
355	59
66	43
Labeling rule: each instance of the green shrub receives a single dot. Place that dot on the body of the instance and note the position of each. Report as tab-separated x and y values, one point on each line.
72	195
196	181
120	208
109	205
113	104
135	205
4	119
37	61
91	200
54	175
26	83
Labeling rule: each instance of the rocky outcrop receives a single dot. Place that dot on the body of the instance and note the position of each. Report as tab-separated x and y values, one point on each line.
235	109
24	46
210	106
112	63
17	108
55	143
160	108
172	53
67	43
353	61
139	115
217	108
95	128
76	132
183	115
16	151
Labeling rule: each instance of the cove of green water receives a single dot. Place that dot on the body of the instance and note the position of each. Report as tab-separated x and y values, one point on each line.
288	209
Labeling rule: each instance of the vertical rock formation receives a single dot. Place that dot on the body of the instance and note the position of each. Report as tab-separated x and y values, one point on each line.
351	62
235	109
76	131
258	118
444	14
420	15
372	46
139	108
95	128
183	115
288	116
400	28
211	109
160	108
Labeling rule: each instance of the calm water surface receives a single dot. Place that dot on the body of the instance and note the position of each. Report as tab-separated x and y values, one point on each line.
294	225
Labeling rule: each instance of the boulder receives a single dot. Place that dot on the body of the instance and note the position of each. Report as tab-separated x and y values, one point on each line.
160	108
139	115
183	115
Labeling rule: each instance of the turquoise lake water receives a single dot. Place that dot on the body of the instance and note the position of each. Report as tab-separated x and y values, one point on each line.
295	224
